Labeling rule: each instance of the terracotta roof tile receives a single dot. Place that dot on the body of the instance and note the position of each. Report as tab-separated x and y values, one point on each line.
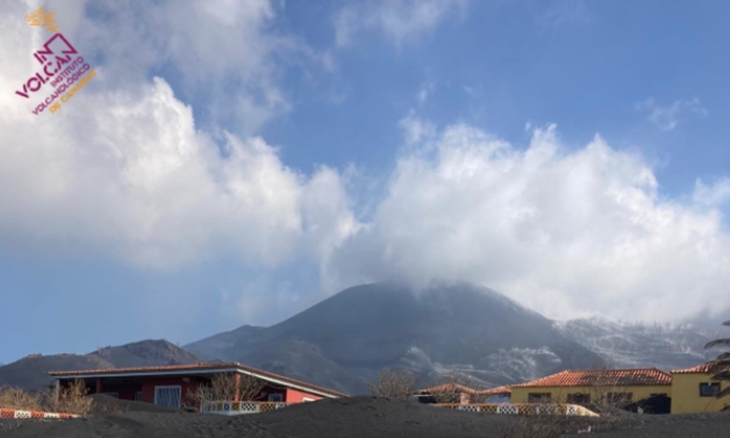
196	367
705	368
495	391
447	387
627	377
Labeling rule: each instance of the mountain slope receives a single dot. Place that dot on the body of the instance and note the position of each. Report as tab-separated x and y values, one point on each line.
640	345
344	340
31	372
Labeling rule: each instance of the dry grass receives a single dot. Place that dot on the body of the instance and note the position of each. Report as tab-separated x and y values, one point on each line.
16	398
71	400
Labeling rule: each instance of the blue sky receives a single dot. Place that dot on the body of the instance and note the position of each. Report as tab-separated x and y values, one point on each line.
234	163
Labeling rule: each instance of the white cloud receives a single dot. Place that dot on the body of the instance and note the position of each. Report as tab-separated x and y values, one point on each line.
713	195
667	117
417	130
229	56
558	13
426	90
568	232
122	170
400	21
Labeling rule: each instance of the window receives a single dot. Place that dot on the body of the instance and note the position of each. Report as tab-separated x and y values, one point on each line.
276	398
709	389
168	396
539	397
138	396
579	398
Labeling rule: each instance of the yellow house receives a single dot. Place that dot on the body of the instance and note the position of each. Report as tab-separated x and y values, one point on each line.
693	390
585	386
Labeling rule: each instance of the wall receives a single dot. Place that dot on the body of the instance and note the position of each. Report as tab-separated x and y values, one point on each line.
560	394
296	396
126	392
686	394
148	387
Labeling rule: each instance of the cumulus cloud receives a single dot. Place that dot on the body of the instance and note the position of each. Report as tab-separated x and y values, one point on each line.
125	172
667	117
568	232
400	21
712	195
228	57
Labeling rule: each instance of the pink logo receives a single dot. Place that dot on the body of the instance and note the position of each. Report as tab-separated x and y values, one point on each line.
61	66
61	56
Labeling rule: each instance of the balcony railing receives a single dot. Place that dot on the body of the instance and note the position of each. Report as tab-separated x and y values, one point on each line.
238	408
523	409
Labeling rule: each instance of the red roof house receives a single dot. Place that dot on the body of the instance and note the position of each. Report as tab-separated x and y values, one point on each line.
174	386
581	386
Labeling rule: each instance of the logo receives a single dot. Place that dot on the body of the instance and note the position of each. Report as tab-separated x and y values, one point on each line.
61	67
43	19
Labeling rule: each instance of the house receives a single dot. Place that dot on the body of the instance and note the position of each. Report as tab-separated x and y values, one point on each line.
586	386
500	394
694	390
455	393
175	386
446	393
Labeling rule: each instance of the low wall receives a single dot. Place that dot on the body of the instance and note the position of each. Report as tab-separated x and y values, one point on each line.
238	408
19	413
523	409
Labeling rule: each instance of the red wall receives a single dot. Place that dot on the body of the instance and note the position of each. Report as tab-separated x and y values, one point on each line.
149	383
147	387
126	392
296	396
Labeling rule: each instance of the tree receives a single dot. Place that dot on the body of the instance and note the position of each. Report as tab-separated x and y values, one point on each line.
223	387
720	367
396	384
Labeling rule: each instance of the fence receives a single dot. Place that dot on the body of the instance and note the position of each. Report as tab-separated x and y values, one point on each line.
22	414
523	409
238	408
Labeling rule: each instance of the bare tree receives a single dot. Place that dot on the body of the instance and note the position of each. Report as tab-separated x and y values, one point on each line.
603	389
396	384
223	387
720	367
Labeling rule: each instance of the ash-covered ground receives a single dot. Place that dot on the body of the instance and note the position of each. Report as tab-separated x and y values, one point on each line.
358	417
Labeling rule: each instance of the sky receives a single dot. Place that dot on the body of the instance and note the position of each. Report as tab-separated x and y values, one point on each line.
234	162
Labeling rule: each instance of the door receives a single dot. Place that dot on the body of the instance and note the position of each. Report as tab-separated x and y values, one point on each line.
168	396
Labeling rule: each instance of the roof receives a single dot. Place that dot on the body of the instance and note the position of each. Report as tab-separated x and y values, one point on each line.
447	387
198	368
705	368
625	377
506	389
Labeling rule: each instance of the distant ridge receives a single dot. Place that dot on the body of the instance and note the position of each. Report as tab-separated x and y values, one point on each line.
31	372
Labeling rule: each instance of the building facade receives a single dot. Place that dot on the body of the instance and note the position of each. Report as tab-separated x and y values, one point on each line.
694	390
620	386
177	386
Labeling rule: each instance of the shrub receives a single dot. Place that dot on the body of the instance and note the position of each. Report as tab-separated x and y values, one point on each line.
396	384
